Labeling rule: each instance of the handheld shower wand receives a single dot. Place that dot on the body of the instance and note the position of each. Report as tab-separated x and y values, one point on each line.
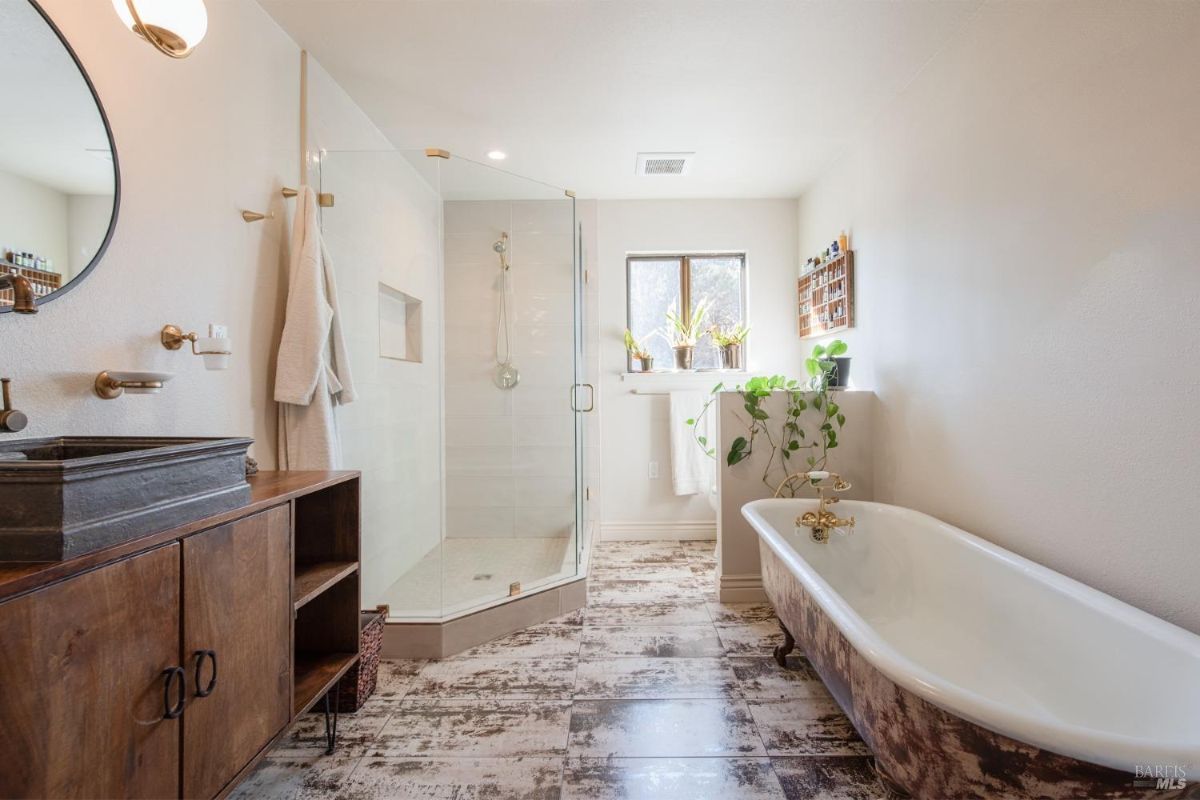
506	375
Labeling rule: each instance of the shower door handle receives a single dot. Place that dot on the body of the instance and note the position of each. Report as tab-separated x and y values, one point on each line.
591	397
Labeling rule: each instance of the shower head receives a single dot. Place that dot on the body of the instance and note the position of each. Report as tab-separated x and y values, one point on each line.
501	245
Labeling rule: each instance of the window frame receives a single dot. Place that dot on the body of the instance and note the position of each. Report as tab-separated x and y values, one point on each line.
685	289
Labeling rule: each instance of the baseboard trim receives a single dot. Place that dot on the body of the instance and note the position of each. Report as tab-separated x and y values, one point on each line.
625	531
741	589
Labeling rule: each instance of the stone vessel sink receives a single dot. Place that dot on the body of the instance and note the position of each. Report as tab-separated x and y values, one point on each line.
66	496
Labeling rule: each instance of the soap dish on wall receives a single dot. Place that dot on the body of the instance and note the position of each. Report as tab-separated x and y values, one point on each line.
112	384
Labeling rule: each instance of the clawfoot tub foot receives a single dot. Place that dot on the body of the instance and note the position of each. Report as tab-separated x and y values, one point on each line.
789	644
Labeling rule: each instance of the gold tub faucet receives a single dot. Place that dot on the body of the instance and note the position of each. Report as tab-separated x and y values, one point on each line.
821	521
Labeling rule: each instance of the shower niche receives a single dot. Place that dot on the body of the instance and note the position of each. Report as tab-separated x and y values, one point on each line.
399	325
472	451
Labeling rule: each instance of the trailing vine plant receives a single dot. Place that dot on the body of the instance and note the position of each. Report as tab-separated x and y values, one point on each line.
803	438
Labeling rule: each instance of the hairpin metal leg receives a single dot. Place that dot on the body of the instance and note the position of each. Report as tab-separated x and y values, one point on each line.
331	721
789	644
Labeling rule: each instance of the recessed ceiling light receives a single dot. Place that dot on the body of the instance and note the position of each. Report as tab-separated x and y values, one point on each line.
497	155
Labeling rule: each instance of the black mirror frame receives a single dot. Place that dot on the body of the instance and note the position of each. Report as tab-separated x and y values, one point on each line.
112	146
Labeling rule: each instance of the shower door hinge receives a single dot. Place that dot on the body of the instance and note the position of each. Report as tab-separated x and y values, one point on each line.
514	588
587	493
587	277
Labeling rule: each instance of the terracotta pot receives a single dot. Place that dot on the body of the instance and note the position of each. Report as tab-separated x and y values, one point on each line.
683	357
645	364
731	356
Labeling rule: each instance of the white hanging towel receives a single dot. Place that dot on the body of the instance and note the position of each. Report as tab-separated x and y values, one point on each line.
692	472
312	376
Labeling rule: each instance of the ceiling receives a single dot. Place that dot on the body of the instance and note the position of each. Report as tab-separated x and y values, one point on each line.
52	133
766	92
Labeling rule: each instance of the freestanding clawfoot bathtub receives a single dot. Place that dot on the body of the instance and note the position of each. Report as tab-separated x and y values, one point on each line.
972	672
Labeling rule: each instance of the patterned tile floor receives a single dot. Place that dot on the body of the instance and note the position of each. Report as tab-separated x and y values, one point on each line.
654	691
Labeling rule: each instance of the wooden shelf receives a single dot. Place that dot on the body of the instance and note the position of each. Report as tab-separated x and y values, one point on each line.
837	272
313	579
316	673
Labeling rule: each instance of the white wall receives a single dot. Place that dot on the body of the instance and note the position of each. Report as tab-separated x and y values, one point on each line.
33	219
198	140
88	217
1025	225
635	428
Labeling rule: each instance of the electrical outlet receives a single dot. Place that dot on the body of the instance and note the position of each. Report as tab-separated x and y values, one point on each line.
653	470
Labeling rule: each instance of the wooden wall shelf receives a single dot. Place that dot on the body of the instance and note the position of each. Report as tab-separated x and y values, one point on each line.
825	297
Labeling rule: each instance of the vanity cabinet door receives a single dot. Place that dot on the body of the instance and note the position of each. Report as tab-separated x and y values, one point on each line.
237	620
82	683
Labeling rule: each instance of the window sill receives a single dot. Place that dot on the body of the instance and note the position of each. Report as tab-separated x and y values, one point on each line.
663	381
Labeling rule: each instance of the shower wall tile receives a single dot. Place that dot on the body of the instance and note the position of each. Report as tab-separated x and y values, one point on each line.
486	403
535	306
476	461
480	492
543	522
558	429
542	401
545	492
544	461
479	432
480	522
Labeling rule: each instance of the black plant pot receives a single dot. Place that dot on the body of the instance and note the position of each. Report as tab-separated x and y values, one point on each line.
840	376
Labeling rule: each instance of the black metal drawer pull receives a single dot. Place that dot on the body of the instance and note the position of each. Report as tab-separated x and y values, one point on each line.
212	681
169	675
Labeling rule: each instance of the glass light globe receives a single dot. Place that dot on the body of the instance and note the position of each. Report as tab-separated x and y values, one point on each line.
177	25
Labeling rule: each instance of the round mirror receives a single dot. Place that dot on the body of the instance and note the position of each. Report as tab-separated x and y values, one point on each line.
59	182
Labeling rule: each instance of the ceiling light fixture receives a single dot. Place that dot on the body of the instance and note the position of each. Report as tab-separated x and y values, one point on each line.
174	27
497	155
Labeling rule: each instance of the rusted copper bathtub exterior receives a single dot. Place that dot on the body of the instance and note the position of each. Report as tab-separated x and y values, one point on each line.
921	749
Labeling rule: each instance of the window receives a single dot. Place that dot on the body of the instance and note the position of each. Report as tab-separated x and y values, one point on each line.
657	283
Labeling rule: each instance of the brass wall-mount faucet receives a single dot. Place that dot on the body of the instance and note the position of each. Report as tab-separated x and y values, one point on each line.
22	289
11	420
821	521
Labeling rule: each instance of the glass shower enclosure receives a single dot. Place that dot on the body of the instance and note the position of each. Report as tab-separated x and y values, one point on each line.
461	293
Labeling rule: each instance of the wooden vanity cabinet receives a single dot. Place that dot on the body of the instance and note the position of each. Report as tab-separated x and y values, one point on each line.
81	683
237	617
168	668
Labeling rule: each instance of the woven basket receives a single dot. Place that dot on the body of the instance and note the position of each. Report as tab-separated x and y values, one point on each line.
359	682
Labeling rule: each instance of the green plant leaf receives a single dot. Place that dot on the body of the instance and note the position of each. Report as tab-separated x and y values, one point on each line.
689	422
702	439
836	348
841	419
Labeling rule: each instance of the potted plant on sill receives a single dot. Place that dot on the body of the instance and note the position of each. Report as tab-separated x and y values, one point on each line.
686	332
730	341
828	366
638	352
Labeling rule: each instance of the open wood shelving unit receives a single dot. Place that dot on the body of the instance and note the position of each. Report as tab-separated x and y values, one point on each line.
825	297
325	591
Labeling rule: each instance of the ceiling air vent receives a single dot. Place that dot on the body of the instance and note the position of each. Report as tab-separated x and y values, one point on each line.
664	163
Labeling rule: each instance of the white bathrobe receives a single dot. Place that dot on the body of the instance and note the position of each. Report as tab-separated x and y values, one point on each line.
312	377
